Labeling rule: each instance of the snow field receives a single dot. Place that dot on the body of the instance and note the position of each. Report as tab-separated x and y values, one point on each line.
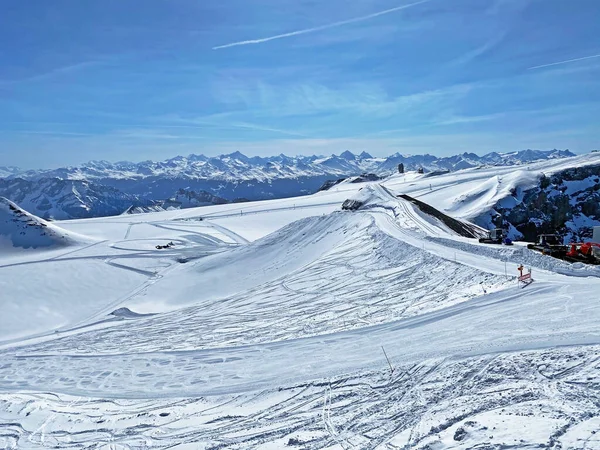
34	301
535	399
278	342
325	309
332	292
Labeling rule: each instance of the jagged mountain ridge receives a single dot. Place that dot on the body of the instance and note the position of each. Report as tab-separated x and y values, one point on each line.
236	167
191	199
7	171
100	188
182	199
53	198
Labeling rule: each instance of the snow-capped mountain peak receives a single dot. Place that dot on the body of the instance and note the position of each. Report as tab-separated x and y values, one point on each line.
237	166
105	188
348	155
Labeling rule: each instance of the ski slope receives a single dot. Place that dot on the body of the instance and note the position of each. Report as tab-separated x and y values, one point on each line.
22	232
263	326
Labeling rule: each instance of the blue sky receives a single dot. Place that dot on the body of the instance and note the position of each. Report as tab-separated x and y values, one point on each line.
133	80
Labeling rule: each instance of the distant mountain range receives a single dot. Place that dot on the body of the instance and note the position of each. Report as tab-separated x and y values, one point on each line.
236	167
53	198
9	171
101	188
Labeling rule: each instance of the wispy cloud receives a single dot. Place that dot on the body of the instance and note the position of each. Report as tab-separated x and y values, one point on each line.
45	133
147	127
322	27
476	53
564	62
457	120
254	127
365	100
224	122
53	72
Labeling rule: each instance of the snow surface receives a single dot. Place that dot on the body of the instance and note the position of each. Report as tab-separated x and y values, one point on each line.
21	230
264	324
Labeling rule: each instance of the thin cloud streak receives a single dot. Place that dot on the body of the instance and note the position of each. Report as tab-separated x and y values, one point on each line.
564	62
251	126
52	73
322	27
45	133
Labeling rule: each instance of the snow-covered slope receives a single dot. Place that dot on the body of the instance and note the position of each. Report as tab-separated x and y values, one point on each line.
238	176
21	230
191	199
264	325
53	198
487	196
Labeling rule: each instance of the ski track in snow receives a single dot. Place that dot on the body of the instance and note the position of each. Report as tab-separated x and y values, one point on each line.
277	342
546	399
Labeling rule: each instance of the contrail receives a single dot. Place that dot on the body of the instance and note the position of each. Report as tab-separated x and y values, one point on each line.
564	62
322	27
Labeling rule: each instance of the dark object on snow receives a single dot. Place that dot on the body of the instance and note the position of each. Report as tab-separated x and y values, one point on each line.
461	228
330	183
400	168
495	236
126	313
507	241
436	173
460	434
169	245
351	205
363	178
549	244
420	170
588	252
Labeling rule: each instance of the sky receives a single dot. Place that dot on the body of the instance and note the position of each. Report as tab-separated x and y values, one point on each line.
130	80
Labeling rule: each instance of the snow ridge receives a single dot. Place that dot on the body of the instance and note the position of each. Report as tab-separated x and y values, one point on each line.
20	229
